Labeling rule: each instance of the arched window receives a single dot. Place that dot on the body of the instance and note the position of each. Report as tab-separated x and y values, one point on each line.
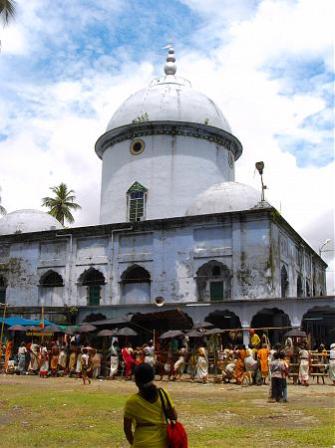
93	279
284	282
51	289
299	287
213	282
3	287
308	289
51	279
135	283
136	197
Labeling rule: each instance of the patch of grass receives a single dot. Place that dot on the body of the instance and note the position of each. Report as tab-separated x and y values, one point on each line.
63	413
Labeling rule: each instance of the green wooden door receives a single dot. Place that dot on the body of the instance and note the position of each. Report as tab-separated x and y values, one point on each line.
216	291
94	295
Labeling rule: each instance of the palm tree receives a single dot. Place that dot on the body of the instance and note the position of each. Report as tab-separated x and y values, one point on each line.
61	205
7	10
2	209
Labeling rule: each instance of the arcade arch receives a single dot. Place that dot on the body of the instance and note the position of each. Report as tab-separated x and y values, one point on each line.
318	322
227	320
274	321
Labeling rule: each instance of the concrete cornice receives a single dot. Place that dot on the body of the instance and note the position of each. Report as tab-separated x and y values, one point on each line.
196	130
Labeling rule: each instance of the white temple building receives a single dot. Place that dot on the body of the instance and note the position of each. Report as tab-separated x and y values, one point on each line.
176	229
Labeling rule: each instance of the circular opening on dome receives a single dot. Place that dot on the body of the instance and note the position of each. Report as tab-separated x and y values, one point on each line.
137	147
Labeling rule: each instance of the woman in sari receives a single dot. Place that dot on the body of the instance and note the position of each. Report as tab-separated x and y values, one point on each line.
127	356
22	353
332	364
304	365
33	364
144	422
114	350
54	360
72	361
8	353
239	367
44	369
202	365
263	355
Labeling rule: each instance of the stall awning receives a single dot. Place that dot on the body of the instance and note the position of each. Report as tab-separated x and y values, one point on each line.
17	320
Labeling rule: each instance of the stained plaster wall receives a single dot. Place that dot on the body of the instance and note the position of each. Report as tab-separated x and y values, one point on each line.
291	251
170	250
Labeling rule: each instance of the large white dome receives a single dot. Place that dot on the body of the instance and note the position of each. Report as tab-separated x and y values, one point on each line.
28	220
225	197
169	99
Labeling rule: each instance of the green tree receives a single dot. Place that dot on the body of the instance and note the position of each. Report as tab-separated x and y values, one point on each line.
7	10
62	204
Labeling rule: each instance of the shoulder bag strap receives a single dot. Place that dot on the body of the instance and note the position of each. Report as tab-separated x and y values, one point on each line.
168	406
161	396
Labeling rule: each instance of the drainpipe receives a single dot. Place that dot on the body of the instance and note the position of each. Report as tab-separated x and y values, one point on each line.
112	241
68	279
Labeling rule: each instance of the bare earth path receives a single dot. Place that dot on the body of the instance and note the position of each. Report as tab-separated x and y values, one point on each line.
61	412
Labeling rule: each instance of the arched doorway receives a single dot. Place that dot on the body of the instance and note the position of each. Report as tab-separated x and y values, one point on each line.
51	289
227	320
318	323
213	282
273	322
135	285
94	281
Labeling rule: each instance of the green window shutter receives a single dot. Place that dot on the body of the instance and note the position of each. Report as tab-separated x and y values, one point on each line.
136	201
94	295
216	291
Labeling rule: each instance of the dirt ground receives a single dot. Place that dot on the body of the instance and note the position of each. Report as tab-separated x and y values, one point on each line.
54	412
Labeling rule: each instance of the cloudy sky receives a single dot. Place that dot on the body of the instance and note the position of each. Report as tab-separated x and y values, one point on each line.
267	63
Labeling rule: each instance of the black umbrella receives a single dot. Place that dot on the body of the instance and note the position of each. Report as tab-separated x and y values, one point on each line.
86	328
32	328
295	333
194	334
71	329
17	328
171	334
106	333
198	325
213	331
126	331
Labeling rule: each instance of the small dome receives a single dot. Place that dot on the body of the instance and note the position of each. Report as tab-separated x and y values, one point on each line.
169	99
29	220
225	197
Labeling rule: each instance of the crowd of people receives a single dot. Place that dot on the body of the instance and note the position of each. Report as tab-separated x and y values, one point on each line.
175	359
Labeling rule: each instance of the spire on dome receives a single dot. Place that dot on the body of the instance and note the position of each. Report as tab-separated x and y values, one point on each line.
170	67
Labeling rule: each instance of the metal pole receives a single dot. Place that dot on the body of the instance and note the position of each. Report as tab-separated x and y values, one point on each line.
3	322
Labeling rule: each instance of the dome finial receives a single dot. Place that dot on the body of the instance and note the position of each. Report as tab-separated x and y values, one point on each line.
170	66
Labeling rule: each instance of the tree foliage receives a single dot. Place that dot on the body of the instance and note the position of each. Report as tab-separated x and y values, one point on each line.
7	10
62	204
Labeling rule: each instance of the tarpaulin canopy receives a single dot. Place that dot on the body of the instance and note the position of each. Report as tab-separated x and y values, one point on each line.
17	320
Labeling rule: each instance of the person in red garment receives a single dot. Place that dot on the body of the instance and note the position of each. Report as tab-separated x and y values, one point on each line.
128	359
